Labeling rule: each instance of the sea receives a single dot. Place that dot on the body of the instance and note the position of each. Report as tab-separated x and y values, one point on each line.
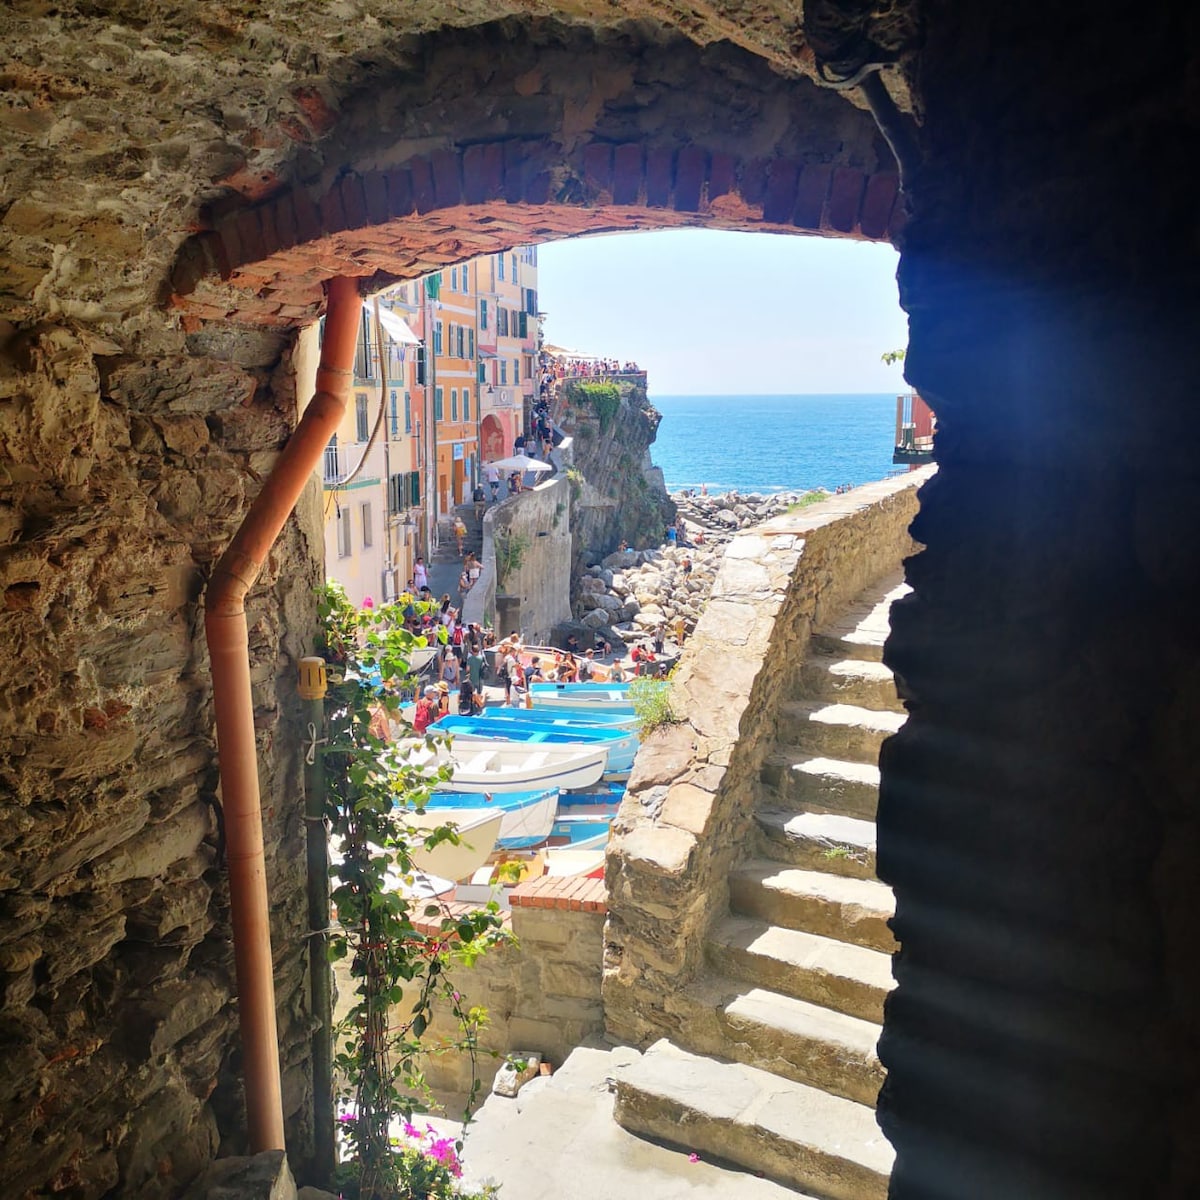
774	443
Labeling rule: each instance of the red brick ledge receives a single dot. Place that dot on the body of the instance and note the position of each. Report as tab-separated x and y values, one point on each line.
577	893
432	926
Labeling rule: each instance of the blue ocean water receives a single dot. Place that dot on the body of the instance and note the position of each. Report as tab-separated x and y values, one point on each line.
774	443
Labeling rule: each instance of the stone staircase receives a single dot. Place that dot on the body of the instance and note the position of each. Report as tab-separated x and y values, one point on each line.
446	563
777	1070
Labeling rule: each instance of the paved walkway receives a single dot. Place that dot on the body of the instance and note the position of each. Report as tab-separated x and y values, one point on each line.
558	1139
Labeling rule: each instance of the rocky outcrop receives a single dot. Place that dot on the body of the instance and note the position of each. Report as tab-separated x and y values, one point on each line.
618	494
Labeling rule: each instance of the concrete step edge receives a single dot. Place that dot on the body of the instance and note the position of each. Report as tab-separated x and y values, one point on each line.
796	1134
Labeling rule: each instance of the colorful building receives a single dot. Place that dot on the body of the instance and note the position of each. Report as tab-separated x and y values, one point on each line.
451	391
508	336
371	489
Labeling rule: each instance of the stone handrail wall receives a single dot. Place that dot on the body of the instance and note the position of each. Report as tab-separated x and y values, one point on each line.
543	581
688	808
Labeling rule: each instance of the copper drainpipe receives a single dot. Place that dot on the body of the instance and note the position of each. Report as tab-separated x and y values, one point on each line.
228	647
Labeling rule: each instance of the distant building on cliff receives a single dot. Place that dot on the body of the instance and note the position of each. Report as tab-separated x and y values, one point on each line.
440	388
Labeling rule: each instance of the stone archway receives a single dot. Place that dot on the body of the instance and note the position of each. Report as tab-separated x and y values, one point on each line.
569	132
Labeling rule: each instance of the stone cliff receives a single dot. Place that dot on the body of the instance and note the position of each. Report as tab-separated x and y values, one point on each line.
618	494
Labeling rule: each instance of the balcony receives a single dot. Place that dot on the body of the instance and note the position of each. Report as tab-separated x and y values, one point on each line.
340	461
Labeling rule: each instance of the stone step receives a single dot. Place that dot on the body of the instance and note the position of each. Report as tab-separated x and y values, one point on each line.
815	784
792	1038
849	979
788	1131
847	910
845	731
860	631
804	1042
817	841
849	681
835	646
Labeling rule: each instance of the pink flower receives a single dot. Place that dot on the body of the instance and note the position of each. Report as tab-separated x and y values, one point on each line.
693	1157
368	602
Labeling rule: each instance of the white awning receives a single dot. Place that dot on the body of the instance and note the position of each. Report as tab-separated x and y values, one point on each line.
395	327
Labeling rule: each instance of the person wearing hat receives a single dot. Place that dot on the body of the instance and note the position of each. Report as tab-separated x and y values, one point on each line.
443	699
427	710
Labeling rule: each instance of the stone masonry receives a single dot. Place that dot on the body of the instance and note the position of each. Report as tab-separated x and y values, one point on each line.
689	804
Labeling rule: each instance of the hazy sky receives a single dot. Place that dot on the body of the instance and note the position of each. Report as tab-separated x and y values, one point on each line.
708	312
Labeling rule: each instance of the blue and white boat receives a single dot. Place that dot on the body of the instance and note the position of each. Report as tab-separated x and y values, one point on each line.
621	744
594	717
578	694
527	820
508	766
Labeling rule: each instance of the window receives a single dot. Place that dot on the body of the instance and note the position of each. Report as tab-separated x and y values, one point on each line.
454	279
407	413
437	403
466	279
466	404
514	268
365	510
394	413
482	371
503	371
454	404
470	343
516	370
364	352
502	321
343	533
361	425
397	492
437	338
499	266
522	329
483	314
414	489
462	341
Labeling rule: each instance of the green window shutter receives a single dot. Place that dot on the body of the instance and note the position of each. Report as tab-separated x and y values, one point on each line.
437	403
483	314
522	324
414	489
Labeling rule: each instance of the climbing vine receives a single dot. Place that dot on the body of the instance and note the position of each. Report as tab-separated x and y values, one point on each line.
402	950
511	548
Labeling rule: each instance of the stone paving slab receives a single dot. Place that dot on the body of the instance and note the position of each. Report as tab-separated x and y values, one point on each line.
558	1141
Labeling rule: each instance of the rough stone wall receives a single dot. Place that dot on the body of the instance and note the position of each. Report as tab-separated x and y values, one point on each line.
620	500
125	473
687	808
1039	813
541	520
541	994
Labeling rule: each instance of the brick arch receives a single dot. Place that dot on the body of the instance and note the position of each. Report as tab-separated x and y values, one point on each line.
566	132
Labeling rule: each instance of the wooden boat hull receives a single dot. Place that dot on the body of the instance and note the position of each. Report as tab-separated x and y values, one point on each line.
526	817
478	829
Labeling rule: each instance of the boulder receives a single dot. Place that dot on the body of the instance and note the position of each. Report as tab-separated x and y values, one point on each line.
564	629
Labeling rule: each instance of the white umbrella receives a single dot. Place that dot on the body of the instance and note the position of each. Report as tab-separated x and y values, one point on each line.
520	462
